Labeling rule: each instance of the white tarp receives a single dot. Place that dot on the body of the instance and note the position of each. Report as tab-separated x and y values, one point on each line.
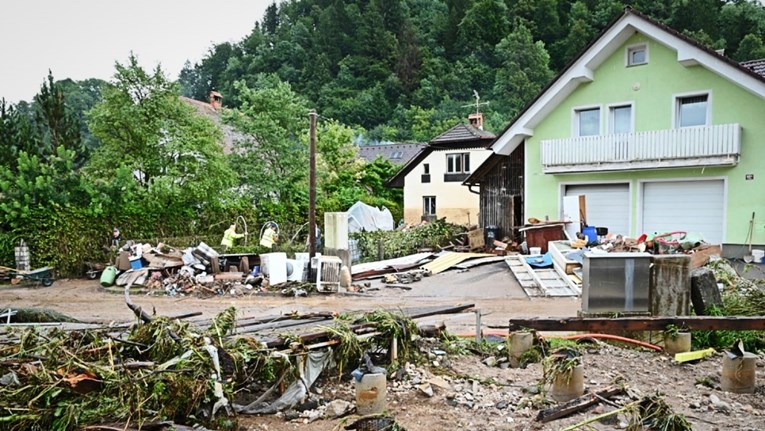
364	217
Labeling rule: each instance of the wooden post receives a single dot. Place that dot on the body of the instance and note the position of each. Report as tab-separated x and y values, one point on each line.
478	326
312	184
394	350
380	250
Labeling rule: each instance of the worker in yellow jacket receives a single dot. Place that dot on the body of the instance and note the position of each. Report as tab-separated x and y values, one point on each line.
229	236
269	237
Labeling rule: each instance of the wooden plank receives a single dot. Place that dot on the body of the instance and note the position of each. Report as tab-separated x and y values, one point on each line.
618	325
558	250
701	255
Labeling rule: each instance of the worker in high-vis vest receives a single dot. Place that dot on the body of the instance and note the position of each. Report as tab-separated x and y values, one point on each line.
269	237
229	236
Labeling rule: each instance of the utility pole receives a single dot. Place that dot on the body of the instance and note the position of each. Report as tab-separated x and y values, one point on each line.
312	115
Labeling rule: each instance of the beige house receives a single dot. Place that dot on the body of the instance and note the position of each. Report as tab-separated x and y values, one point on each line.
432	180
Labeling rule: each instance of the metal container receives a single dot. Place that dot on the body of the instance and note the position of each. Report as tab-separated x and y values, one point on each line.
615	282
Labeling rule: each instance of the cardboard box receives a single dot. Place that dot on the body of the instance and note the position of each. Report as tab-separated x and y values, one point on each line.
123	261
476	239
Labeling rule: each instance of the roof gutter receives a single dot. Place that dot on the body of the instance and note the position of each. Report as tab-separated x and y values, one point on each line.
470	189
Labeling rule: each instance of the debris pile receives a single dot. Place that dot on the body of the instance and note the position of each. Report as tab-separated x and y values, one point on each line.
165	371
199	271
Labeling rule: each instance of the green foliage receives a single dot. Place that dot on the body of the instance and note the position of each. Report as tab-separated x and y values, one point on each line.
561	364
272	163
143	126
399	243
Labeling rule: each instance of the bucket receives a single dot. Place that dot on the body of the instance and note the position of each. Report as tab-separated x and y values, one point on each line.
568	386
520	343
535	250
757	255
738	374
591	233
108	276
680	343
370	394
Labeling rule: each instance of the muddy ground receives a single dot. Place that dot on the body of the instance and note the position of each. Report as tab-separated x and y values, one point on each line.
474	396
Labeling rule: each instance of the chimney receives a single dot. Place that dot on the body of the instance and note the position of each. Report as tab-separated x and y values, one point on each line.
216	100
476	120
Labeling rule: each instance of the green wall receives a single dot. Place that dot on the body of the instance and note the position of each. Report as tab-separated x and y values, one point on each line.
651	88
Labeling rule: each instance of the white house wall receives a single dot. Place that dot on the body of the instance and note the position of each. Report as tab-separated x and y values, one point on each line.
453	200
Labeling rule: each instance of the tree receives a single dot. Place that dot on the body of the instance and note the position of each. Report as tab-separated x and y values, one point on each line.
272	162
524	69
739	19
174	153
484	25
56	125
750	48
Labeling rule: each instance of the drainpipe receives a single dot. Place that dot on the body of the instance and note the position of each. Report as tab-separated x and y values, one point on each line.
470	189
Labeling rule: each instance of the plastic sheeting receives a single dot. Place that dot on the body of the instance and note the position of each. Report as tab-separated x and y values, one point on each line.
368	218
296	393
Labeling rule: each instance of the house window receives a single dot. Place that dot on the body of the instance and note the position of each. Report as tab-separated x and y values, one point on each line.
425	173
428	205
693	111
457	167
587	122
621	119
637	55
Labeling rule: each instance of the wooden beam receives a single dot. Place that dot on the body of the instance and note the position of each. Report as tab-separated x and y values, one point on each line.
578	404
620	324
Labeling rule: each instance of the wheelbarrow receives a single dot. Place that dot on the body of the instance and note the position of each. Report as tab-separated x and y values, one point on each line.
42	275
93	269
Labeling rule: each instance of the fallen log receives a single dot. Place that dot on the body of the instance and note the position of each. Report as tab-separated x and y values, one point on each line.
578	404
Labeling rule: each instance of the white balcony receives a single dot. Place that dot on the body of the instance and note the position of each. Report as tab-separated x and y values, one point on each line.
675	148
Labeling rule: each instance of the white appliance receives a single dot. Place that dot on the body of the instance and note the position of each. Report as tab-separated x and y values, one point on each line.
296	269
274	266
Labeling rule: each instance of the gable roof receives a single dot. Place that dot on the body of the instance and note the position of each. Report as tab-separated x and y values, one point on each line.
398	154
230	135
756	66
582	70
461	133
461	136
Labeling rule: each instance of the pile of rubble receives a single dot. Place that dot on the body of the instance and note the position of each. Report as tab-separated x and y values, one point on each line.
191	271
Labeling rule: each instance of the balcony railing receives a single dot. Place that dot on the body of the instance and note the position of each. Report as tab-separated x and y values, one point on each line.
689	146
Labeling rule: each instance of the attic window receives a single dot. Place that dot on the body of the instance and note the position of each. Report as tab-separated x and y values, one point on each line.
637	55
397	155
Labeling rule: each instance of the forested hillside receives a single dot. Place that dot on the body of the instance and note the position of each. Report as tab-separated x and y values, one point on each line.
404	69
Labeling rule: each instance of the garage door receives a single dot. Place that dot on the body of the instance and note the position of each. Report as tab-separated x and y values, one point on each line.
691	206
608	205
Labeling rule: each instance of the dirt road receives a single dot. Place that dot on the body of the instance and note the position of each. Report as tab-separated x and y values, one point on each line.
491	288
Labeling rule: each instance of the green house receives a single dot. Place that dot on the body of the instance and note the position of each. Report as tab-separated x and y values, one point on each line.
659	133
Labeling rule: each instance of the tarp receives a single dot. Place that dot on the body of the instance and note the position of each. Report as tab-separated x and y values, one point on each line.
368	218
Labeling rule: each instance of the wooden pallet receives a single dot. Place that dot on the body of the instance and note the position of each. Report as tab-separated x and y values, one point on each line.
523	273
541	282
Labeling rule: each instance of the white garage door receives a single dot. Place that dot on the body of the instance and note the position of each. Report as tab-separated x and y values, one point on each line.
691	206
608	205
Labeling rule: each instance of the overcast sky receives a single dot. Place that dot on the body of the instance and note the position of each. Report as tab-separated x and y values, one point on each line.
82	39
